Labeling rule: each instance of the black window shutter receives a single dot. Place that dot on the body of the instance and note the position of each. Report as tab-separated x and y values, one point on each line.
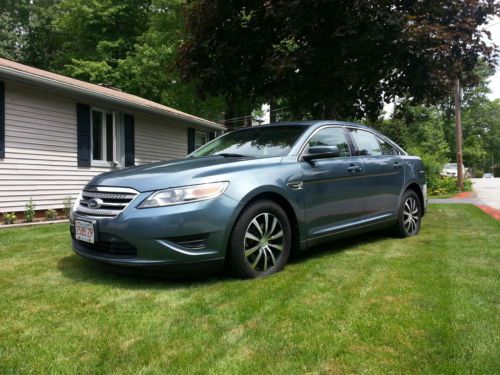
2	120
191	140
129	140
83	134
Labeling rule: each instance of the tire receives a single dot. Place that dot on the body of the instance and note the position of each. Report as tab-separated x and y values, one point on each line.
261	241
409	215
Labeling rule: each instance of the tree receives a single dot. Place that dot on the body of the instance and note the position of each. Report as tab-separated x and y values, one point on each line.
130	45
337	59
13	16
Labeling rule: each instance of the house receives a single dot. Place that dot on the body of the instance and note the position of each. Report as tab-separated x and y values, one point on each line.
57	132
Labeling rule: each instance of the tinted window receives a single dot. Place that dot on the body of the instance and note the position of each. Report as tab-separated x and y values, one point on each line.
366	142
331	137
386	148
255	142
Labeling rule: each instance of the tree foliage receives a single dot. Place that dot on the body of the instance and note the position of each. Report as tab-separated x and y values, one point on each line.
127	44
333	59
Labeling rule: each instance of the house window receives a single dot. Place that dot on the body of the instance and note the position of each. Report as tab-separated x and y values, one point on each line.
200	139
107	138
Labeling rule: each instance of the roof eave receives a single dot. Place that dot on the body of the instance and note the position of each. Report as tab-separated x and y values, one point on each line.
43	81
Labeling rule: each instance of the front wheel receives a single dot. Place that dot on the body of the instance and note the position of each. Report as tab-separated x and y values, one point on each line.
261	241
409	215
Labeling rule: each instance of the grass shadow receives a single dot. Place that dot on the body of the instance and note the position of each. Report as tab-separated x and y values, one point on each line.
335	247
86	271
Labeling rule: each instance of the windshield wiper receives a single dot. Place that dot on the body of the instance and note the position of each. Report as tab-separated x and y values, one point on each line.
231	155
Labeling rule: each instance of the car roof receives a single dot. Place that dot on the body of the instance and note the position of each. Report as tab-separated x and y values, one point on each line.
315	123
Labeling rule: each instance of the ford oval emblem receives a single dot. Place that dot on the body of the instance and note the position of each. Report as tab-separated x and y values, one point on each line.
95	203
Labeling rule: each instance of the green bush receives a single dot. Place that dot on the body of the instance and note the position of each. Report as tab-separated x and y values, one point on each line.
50	214
9	218
467	185
67	203
29	212
446	185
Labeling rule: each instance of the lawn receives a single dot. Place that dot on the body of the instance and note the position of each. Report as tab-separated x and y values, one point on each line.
428	304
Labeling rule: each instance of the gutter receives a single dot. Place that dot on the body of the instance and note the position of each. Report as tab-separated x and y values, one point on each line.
43	81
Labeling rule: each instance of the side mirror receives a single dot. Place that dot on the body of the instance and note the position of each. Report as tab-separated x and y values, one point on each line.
321	152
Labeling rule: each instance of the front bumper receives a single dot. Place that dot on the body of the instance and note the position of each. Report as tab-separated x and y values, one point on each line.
190	236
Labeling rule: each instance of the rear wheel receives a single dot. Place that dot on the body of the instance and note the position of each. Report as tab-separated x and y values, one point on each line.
261	241
409	215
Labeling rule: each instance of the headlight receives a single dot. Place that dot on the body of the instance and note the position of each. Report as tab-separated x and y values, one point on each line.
185	194
74	207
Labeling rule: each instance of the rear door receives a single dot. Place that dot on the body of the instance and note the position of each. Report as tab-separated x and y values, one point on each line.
334	198
383	172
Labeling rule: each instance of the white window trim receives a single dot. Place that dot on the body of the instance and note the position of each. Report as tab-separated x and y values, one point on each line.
203	134
104	163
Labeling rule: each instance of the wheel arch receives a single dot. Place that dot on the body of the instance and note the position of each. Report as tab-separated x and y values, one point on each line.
284	203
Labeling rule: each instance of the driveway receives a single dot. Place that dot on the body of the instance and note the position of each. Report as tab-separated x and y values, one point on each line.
488	190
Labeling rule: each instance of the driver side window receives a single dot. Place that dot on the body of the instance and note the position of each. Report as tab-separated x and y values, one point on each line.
331	137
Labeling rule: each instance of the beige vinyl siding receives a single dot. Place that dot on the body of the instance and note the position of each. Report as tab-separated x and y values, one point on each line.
157	140
41	147
40	150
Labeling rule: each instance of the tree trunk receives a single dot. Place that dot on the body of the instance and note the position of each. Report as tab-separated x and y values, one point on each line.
458	135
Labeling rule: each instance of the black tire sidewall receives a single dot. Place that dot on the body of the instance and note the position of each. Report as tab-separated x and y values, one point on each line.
238	263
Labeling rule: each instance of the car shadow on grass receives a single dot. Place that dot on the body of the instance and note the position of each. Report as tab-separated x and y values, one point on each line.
336	247
86	271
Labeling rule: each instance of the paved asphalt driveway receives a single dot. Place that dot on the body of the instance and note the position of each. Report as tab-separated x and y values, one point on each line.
488	190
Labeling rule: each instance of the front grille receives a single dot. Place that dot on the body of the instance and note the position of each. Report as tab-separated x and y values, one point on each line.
104	202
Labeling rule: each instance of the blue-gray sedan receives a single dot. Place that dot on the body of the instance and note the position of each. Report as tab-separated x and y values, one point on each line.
249	198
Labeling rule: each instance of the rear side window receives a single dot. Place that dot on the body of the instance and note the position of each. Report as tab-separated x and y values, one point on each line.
331	137
366	143
386	148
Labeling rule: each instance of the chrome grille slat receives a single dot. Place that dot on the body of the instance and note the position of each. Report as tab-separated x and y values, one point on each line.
113	201
107	195
108	204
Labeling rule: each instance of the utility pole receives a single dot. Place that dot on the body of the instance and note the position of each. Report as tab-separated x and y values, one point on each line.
458	135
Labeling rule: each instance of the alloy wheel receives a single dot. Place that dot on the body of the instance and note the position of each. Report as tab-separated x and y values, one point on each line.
263	242
411	215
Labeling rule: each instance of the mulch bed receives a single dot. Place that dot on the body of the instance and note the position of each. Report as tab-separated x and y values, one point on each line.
493	212
464	194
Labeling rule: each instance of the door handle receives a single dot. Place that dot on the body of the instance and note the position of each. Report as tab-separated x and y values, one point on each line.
354	168
397	165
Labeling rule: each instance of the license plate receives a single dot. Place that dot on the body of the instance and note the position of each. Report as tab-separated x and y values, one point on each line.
84	231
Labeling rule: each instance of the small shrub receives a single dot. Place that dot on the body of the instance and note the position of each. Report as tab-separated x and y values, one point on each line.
67	203
442	185
467	185
50	214
9	218
29	212
446	185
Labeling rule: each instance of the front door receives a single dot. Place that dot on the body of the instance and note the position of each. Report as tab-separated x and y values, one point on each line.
334	198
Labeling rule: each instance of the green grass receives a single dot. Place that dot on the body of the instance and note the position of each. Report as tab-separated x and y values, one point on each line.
428	304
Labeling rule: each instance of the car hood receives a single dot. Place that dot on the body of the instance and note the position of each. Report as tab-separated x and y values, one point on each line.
163	175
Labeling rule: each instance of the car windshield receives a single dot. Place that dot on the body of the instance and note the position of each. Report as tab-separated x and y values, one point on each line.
450	165
255	142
